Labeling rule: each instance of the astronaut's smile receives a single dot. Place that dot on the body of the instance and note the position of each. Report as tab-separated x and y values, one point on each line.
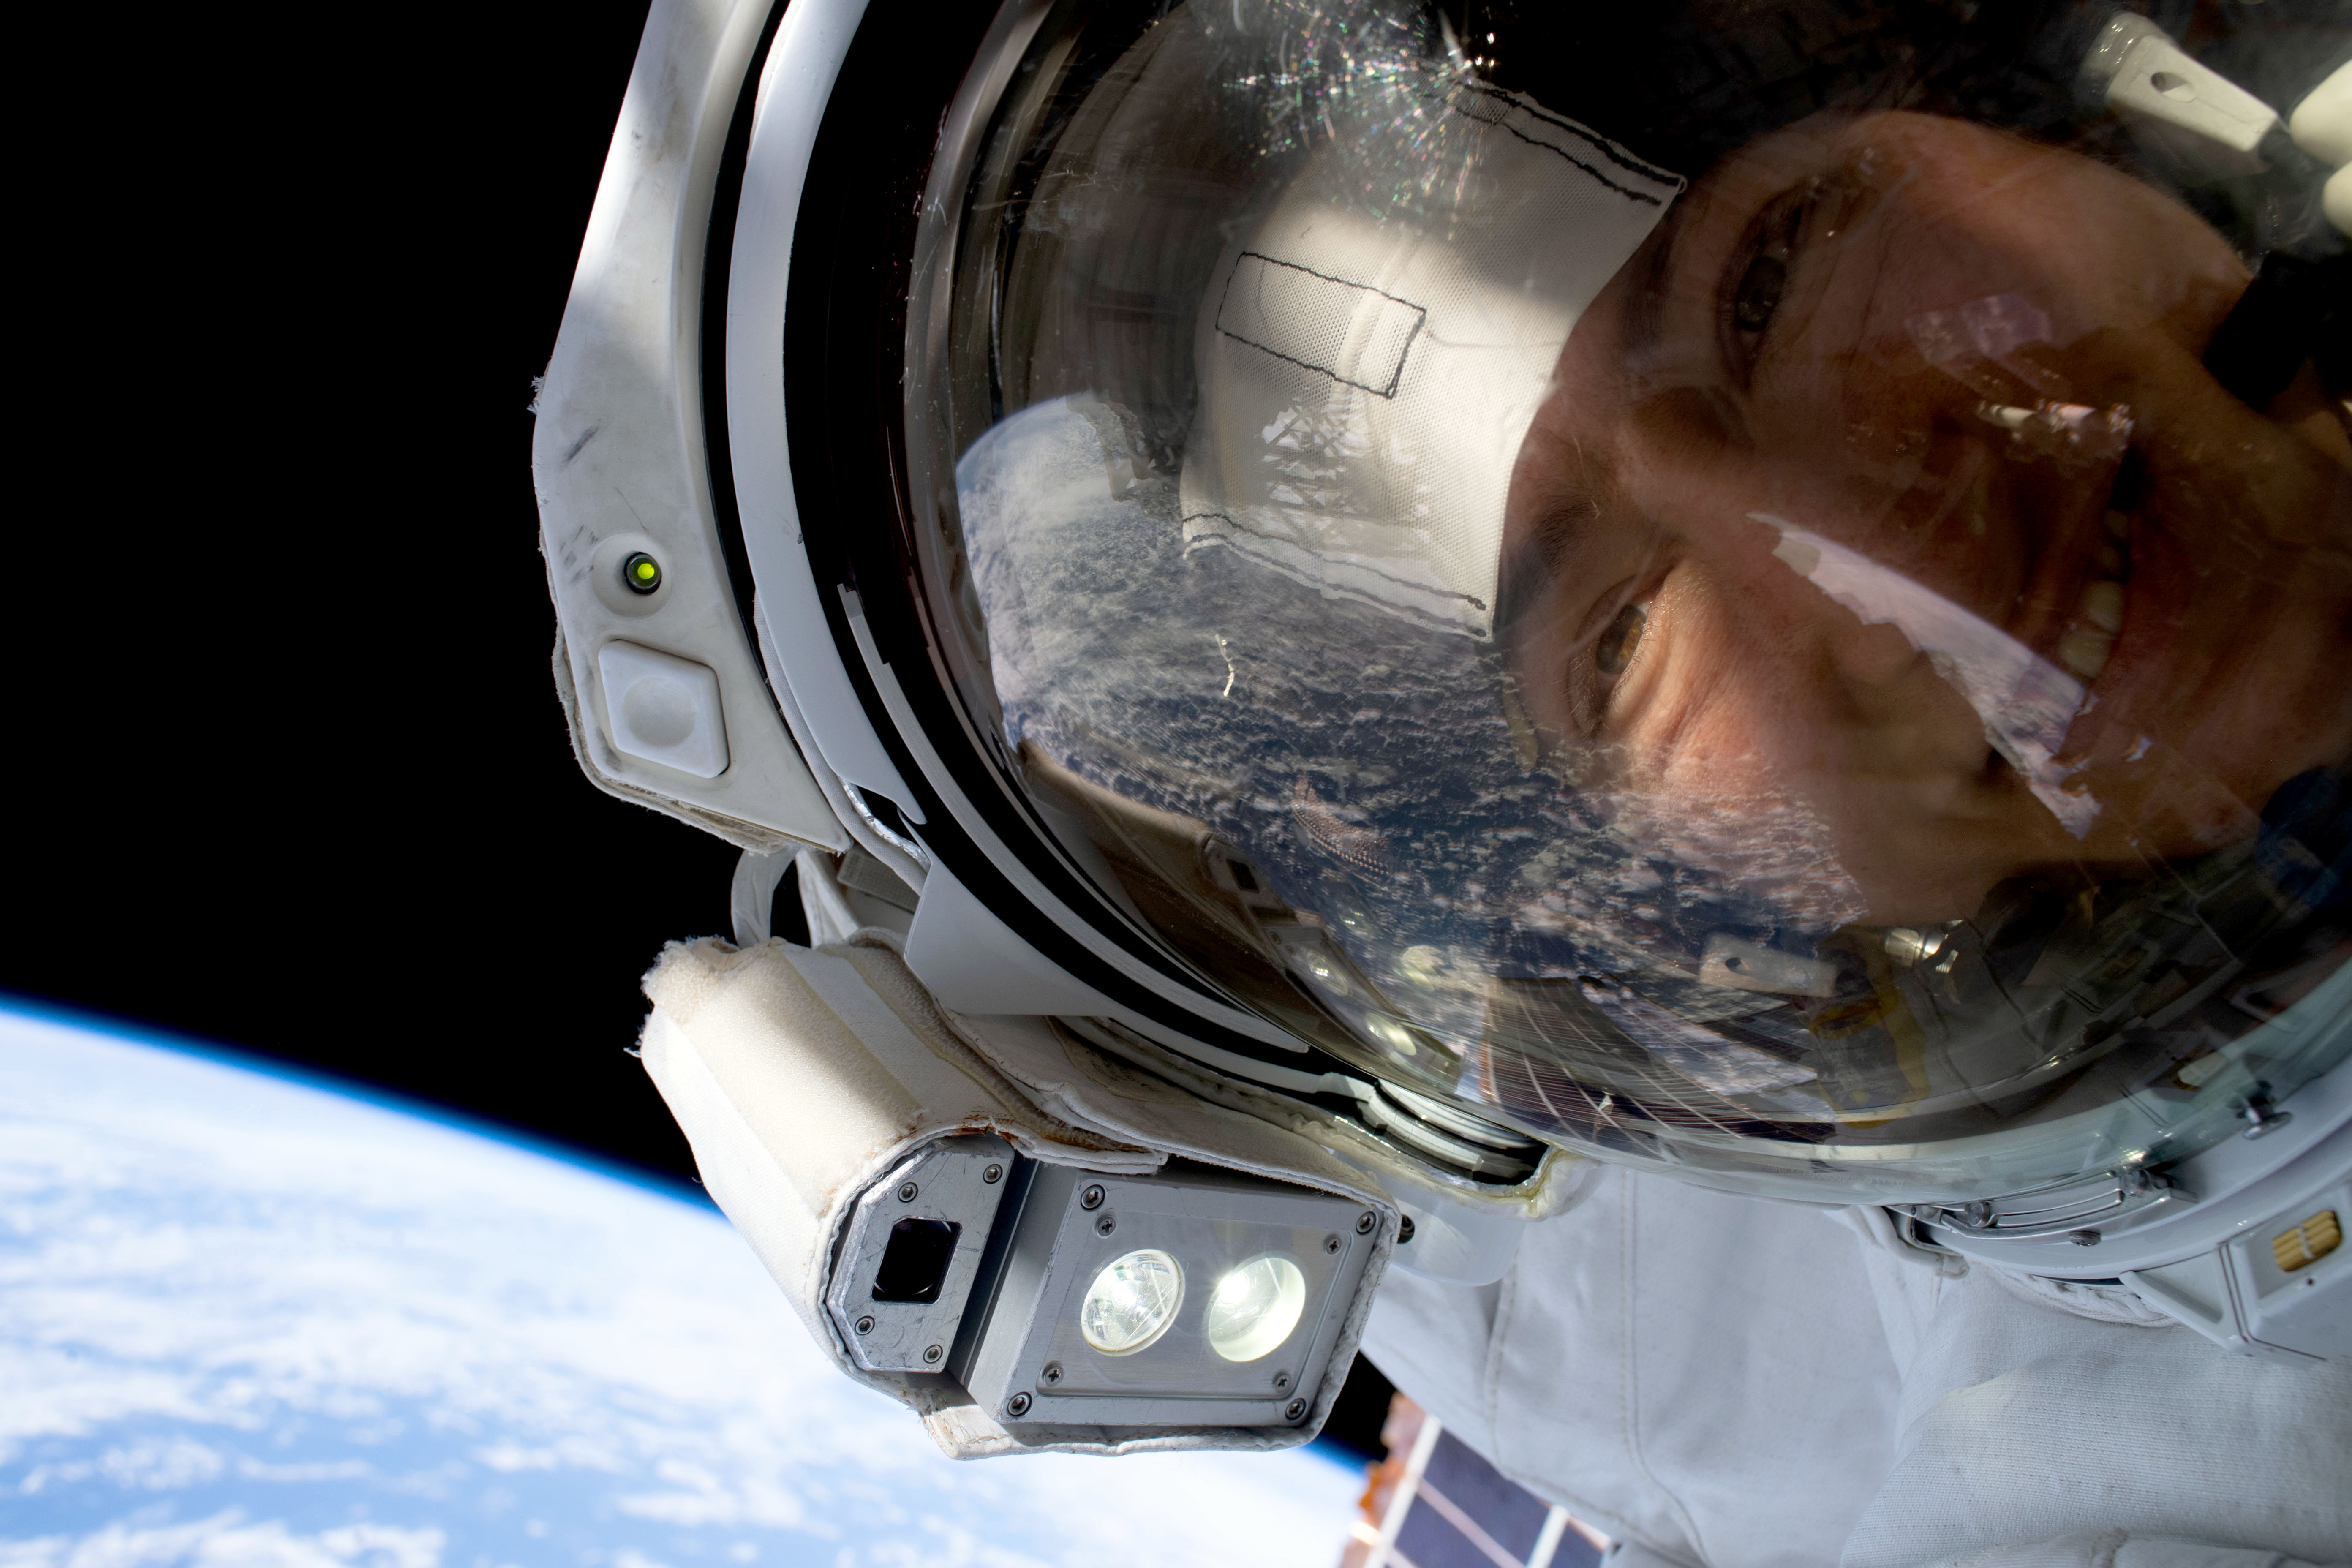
2028	435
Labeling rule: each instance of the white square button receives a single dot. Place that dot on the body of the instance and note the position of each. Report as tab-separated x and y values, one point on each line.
663	709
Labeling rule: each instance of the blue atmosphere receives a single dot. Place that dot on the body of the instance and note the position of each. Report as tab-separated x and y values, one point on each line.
246	1319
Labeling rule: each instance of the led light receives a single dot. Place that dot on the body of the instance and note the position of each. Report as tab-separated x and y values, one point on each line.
1133	1300
1255	1306
1272	1270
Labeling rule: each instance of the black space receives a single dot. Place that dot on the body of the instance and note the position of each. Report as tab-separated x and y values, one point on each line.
285	767
289	770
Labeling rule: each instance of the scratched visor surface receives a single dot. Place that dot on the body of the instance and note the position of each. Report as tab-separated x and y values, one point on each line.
1565	612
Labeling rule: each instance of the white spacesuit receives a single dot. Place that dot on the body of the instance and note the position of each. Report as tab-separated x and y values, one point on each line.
1647	711
1718	1380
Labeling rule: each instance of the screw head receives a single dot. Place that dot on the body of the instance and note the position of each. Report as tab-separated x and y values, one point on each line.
1332	1243
642	572
1053	1372
931	1354
1404	1229
1018	1405
907	1191
1293	1410
994	1174
865	1325
1092	1198
1105	1224
1364	1223
1282	1383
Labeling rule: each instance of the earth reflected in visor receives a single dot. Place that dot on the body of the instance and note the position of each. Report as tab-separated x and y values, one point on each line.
1860	714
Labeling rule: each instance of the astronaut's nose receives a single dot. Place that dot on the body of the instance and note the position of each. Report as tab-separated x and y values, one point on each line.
1897	714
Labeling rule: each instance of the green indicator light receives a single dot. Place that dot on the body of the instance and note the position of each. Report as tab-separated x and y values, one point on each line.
642	572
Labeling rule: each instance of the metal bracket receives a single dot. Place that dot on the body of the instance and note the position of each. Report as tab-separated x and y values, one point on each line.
2085	1206
956	1182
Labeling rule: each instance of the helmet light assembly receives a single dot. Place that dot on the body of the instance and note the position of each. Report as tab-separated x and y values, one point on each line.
1188	1297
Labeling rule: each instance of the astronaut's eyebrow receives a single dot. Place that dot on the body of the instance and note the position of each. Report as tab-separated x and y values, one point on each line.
1569	518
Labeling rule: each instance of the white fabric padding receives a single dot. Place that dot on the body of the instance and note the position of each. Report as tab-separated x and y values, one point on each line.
802	1077
1366	376
1730	1382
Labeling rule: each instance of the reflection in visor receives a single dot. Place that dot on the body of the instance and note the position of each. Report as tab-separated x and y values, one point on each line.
1247	384
2027	703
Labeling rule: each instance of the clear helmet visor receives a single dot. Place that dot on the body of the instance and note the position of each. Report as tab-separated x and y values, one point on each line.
1766	648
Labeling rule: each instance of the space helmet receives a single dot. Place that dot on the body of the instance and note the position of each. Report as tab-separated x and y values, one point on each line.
1757	592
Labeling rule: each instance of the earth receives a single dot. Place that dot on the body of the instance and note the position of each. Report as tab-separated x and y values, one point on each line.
246	1319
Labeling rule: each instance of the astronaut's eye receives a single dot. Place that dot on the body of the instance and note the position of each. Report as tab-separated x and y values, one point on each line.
1759	295
1756	275
1615	650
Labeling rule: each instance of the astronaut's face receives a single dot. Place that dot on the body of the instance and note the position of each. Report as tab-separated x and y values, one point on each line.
1858	330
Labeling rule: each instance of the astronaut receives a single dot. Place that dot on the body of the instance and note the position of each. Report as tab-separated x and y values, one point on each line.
1649	712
